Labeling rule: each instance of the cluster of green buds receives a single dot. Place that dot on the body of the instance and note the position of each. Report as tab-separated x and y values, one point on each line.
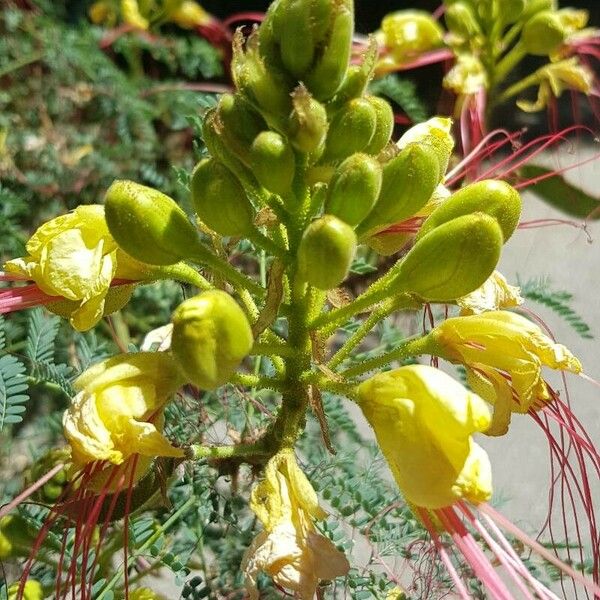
300	163
489	38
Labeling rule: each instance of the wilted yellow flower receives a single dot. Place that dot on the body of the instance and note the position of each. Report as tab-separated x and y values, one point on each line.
289	550
75	257
118	410
504	354
31	591
424	420
495	293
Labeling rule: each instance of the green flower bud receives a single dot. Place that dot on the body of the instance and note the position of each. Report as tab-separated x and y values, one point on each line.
326	252
435	134
148	225
241	124
512	10
532	7
409	180
211	337
265	87
273	162
351	129
543	34
222	148
354	189
219	199
495	198
410	32
452	260
328	74
308	123
16	537
32	590
357	77
461	21
384	125
296	39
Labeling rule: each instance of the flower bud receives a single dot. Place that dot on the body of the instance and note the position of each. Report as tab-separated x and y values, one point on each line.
211	336
16	538
51	491
384	125
326	252
358	77
543	34
241	124
32	590
435	134
354	189
148	225
533	7
264	86
328	74
308	122
492	197
273	162
351	129
408	33
452	260
219	199
461	21
296	40
409	180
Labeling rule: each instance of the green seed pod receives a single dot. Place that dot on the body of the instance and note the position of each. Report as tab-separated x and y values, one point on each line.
452	260
211	337
384	125
409	180
351	129
326	252
410	32
148	225
273	162
321	16
308	123
461	21
543	34
328	74
354	189
241	124
296	38
435	134
495	198
219	199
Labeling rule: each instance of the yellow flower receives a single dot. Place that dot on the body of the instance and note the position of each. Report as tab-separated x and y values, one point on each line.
131	14
190	14
424	420
75	257
32	590
504	354
119	409
289	550
495	293
467	76
144	594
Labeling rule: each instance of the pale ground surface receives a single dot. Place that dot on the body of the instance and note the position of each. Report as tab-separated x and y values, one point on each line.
565	255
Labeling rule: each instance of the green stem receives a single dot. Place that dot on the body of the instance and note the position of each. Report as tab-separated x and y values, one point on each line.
407	349
183	273
272	349
235	277
266	243
508	63
257	381
518	87
380	313
197	451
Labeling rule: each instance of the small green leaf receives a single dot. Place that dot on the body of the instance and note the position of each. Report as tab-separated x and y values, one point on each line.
562	195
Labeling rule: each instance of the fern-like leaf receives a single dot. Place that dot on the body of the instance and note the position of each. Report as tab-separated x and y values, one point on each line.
539	291
404	93
13	386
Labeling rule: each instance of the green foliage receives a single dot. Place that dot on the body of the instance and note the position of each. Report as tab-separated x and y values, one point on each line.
404	93
558	301
13	385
